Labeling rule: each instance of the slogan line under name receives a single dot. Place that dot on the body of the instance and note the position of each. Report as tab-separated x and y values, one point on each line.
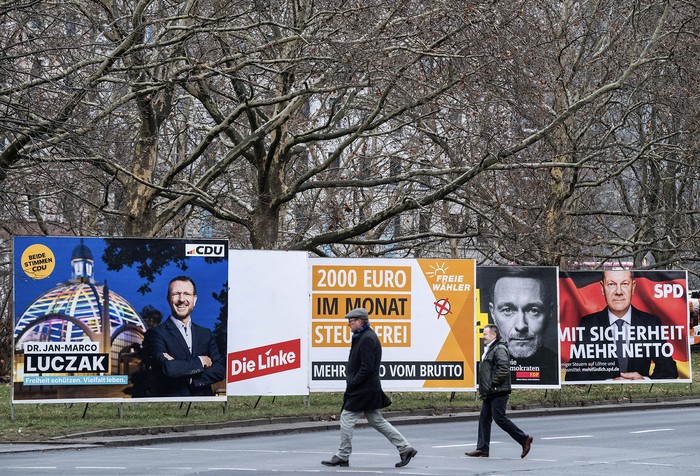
395	370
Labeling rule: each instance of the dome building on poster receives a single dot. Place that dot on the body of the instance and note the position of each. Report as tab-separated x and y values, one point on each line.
81	310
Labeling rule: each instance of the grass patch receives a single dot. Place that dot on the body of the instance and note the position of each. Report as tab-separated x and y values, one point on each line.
37	422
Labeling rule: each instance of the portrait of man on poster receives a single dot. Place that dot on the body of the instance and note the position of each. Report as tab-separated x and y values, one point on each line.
522	303
184	356
625	339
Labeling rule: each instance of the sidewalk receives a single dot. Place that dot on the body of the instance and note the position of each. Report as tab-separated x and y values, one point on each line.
242	429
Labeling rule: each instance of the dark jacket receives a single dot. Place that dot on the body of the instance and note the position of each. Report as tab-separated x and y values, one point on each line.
185	375
494	370
363	390
603	368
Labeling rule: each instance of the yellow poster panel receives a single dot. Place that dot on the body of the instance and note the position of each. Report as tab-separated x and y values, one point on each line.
361	278
422	311
338	334
453	284
379	306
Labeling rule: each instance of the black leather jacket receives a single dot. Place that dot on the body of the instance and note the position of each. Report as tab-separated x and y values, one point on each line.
494	370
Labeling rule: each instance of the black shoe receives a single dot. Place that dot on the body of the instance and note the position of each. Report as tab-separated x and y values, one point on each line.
526	447
477	454
335	461
406	457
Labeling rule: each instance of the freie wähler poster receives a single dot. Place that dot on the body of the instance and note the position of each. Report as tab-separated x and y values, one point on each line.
421	309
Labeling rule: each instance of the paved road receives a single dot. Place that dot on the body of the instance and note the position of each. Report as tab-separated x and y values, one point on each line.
637	443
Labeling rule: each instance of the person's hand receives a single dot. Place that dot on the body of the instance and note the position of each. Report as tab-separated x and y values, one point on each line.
168	356
630	376
206	361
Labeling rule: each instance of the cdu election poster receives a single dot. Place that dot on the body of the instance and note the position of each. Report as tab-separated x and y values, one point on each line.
523	303
624	326
421	309
110	319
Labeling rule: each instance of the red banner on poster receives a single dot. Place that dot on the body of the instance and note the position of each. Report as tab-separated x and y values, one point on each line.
624	326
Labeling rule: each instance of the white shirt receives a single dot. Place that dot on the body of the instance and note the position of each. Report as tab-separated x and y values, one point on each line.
185	330
627	318
486	349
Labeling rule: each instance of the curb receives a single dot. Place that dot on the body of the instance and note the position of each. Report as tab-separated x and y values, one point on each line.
243	429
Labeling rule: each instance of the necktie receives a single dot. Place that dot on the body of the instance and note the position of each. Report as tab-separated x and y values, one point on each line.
619	343
188	338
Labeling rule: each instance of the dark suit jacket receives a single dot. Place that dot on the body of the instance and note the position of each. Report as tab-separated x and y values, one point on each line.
185	375
364	389
664	367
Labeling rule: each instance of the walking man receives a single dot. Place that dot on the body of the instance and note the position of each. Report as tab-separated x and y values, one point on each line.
494	389
363	392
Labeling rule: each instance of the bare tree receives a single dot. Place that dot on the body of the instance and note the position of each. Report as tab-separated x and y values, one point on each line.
340	127
512	131
573	195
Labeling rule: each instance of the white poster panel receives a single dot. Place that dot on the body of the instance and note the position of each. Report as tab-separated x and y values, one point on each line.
421	309
268	324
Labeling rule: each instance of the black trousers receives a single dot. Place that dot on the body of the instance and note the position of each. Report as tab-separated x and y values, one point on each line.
494	409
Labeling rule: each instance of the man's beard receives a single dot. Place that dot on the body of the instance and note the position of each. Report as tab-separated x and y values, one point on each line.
524	352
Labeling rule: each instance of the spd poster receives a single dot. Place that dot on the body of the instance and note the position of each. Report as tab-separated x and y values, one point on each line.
421	309
624	326
92	319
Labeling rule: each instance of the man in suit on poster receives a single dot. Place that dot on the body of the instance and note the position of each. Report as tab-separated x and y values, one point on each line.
523	307
184	357
612	332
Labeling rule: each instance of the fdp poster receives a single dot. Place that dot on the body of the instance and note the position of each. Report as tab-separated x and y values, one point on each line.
624	326
421	309
85	306
523	302
269	322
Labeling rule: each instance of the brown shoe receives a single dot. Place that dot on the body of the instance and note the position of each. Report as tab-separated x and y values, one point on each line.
477	454
526	447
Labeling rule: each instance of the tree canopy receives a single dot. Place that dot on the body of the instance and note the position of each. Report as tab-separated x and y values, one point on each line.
528	132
